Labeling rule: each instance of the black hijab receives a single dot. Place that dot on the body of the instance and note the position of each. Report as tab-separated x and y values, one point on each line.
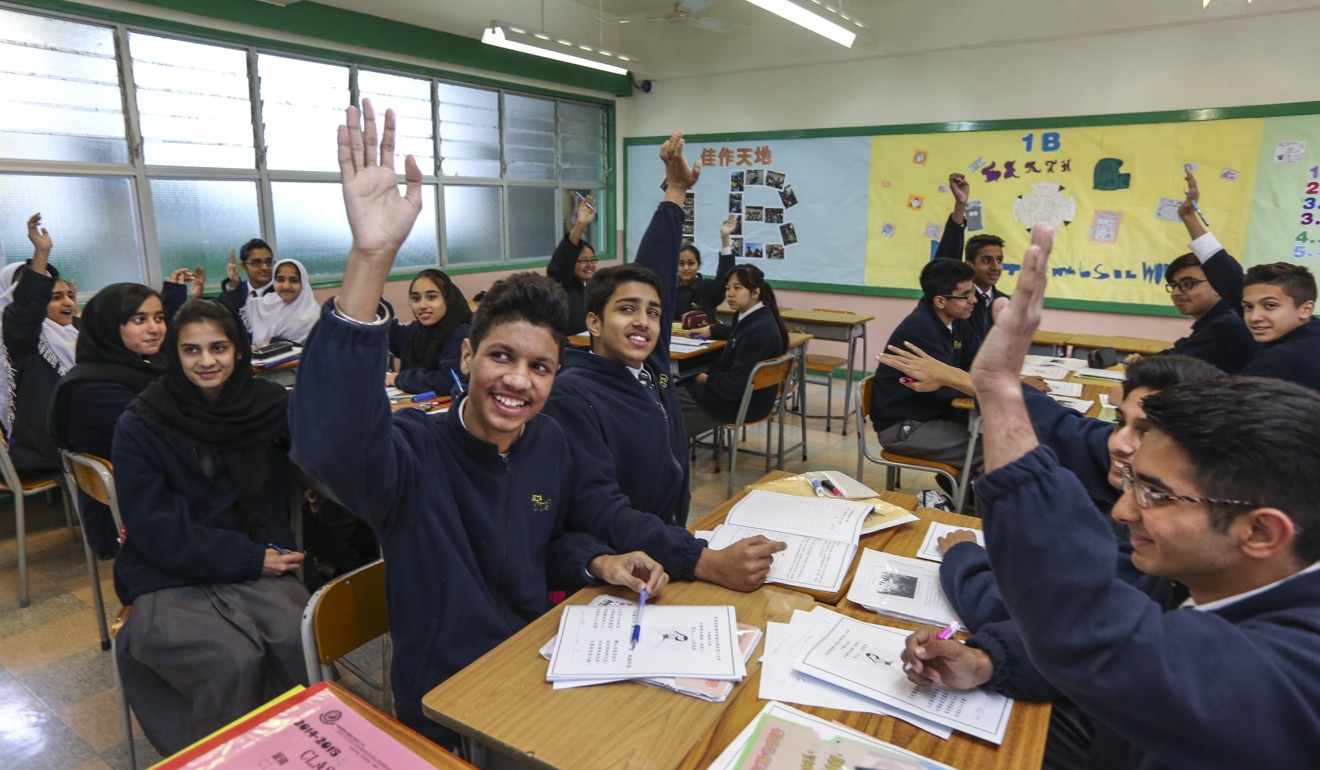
427	342
247	425
101	355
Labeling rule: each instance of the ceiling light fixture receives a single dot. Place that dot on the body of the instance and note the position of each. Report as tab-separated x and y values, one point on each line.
506	35
822	18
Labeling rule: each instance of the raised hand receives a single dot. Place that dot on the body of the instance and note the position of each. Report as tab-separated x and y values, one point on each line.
231	270
39	236
1000	358
1186	209
198	282
728	226
378	216
586	212
677	171
181	275
960	188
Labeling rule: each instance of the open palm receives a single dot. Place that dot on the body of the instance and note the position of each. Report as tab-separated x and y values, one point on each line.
379	217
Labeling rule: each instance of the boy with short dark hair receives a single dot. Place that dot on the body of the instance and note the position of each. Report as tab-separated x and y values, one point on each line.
258	263
984	252
466	504
923	424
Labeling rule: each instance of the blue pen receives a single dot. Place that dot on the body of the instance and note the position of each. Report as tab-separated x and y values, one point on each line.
427	396
637	624
457	381
698	337
278	549
820	489
1198	211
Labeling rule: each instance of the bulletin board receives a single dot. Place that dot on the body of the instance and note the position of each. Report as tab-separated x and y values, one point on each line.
860	210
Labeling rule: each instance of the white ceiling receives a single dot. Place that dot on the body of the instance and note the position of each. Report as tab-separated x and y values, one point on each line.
899	27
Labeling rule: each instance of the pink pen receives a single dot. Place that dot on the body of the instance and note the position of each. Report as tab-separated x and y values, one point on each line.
948	631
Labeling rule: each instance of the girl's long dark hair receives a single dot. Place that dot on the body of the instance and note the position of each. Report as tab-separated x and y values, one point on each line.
752	277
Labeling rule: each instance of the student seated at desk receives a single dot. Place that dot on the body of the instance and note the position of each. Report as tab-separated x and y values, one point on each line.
573	264
430	347
40	336
1222	505
1278	300
926	424
620	402
695	291
757	333
465	503
983	252
288	313
202	478
119	354
258	263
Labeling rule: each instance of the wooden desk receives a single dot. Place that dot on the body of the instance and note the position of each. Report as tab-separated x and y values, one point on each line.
503	701
1057	340
836	326
875	540
1122	344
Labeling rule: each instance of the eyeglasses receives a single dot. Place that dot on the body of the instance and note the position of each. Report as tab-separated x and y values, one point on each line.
258	262
589	261
966	297
1185	285
1147	497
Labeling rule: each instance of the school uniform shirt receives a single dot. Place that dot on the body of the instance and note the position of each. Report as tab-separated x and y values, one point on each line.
235	296
1220	337
1165	687
892	401
752	338
1294	357
704	293
464	528
562	265
632	429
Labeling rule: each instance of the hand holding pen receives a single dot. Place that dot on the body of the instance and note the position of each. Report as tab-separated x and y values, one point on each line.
637	621
280	561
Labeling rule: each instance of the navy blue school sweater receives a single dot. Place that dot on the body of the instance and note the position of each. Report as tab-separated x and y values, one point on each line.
1220	337
563	262
413	379
464	529
892	401
1294	357
751	339
184	525
704	294
1233	687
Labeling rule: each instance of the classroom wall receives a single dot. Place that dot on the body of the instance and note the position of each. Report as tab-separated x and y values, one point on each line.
1251	58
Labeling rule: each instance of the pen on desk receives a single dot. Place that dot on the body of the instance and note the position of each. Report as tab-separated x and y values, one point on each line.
698	337
427	396
637	624
1197	209
819	487
457	380
830	486
948	631
277	549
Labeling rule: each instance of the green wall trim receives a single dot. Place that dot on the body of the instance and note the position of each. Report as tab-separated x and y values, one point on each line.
1062	304
335	25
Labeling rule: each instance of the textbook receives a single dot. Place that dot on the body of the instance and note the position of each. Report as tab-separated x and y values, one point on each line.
883	515
908	589
822	535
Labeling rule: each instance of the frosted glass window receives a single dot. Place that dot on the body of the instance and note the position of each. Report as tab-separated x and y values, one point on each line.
529	137
93	231
532	223
469	131
193	103
569	200
198	222
311	227
302	105
59	91
472	225
582	138
410	98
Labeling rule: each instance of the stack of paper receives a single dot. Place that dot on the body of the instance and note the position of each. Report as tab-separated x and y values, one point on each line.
1102	374
930	547
714	690
783	738
900	587
829	660
686	343
1061	388
279	358
594	644
1075	404
821	534
1069	364
883	514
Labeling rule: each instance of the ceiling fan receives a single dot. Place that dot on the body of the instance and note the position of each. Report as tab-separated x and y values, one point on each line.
689	13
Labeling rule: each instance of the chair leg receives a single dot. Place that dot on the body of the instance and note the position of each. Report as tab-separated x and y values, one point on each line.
125	716
68	513
891	478
20	535
733	459
829	402
97	601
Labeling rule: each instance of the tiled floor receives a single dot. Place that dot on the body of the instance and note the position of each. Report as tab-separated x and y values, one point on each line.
57	703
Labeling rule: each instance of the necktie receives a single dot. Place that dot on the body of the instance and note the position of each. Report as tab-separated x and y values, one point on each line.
644	377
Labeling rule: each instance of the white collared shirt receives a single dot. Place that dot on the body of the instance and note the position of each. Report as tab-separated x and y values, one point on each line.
1191	604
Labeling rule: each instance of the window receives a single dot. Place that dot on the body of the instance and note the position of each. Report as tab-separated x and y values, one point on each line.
146	153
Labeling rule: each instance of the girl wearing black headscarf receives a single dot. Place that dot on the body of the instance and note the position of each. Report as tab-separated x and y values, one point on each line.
203	483
429	348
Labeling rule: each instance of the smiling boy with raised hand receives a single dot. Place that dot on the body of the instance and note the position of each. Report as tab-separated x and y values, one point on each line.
464	504
1223	505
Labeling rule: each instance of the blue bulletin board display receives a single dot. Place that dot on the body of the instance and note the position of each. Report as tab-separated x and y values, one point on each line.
859	210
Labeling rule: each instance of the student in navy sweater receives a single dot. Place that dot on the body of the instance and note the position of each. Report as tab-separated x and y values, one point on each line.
1278	301
1222	507
757	333
619	399
925	424
695	291
465	504
258	262
430	347
983	252
574	262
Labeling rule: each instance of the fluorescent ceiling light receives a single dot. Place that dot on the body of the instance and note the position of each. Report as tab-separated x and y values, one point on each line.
816	16
506	35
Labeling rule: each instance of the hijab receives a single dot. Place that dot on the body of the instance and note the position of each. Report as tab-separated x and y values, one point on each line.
269	316
247	425
427	343
102	356
57	344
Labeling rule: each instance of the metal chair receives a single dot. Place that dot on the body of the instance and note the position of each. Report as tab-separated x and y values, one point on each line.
341	616
770	373
895	463
23	486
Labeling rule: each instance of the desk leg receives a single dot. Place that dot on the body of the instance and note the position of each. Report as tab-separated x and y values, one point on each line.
853	336
973	432
802	393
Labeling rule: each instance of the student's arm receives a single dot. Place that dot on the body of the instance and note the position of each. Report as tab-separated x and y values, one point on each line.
711	293
23	316
173	294
1222	271
564	260
1080	442
928	374
970	586
955	229
664	236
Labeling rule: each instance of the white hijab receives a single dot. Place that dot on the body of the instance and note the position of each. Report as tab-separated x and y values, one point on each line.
269	316
57	346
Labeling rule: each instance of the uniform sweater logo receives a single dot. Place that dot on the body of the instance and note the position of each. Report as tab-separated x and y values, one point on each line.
540	503
664	380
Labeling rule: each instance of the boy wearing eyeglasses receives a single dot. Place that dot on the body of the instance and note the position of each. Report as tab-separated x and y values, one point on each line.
984	252
258	263
1218	640
922	423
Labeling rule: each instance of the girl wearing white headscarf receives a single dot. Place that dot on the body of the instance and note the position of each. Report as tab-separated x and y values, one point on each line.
39	343
288	313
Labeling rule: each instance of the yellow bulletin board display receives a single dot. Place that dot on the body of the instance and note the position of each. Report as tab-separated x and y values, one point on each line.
1109	184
